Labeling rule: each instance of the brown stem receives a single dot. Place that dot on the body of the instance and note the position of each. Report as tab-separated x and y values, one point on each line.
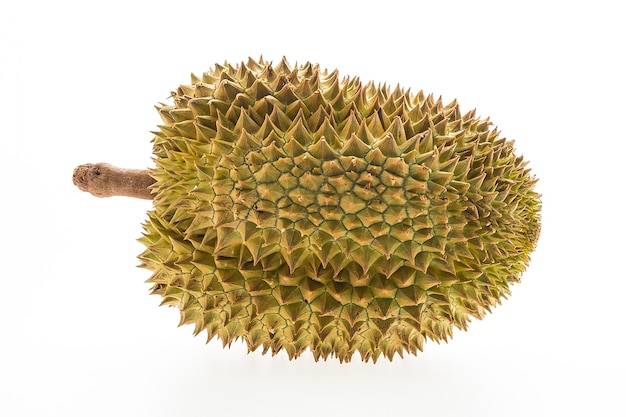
104	180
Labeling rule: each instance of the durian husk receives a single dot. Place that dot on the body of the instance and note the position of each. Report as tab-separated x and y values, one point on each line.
295	209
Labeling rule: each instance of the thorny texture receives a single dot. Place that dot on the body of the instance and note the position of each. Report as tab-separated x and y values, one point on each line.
300	211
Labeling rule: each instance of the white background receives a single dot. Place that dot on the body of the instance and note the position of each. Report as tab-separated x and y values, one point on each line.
81	336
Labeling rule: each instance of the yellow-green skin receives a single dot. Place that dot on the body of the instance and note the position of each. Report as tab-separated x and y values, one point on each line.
297	210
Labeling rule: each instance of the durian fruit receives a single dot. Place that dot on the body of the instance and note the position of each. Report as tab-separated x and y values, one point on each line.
296	209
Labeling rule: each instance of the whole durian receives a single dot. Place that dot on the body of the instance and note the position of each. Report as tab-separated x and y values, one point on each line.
295	209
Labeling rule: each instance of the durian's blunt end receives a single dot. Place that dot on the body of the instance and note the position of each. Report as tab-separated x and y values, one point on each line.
104	180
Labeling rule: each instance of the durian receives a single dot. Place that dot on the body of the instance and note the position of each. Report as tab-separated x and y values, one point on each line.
296	209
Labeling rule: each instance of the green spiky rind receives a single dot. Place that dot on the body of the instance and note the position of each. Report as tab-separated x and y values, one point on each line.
297	210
